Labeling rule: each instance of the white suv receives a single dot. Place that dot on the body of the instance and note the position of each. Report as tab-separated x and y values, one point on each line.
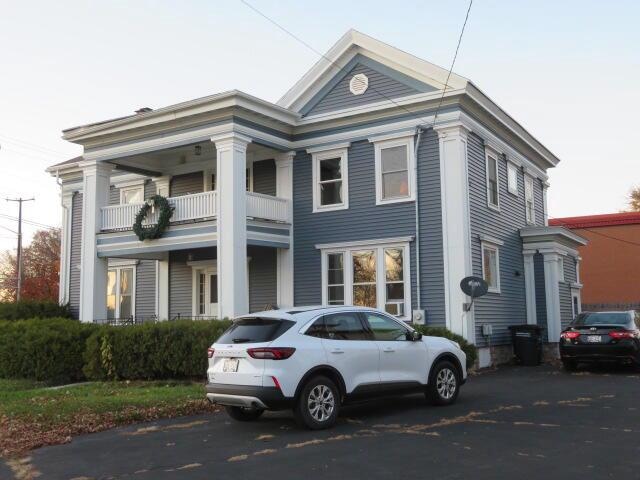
316	359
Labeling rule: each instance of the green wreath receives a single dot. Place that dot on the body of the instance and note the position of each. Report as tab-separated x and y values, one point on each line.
153	231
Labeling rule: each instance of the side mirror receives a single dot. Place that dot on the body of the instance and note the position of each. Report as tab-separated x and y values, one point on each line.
414	336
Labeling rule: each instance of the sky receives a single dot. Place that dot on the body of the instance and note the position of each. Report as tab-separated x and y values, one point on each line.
568	71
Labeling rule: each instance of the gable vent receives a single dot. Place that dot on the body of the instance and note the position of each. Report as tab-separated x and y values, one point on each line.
359	84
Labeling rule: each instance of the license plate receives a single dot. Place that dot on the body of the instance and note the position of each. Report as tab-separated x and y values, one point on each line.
230	365
594	338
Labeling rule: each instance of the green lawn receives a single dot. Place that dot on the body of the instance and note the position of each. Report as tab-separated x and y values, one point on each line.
32	414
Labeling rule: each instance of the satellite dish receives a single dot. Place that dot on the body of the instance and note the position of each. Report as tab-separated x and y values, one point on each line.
474	286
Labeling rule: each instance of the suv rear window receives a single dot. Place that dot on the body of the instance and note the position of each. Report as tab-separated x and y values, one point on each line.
255	330
602	318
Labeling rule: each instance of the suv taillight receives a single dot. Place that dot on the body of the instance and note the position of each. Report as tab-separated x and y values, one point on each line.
570	335
210	352
620	334
271	353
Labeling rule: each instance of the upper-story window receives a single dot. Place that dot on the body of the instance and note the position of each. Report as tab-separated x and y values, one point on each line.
530	210
512	178
394	170
130	195
493	190
330	180
210	180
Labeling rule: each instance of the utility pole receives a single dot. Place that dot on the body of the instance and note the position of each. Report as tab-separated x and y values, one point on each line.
19	252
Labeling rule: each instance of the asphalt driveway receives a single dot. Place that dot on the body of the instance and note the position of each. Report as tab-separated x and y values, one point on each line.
515	422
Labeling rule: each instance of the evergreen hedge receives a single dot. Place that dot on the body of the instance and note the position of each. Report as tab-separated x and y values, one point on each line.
33	309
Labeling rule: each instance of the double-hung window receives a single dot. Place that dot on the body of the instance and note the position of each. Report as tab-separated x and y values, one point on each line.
493	186
512	178
131	195
121	293
394	170
530	211
491	266
370	275
330	180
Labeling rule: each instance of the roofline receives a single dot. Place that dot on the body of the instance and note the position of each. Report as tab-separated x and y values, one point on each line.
601	220
232	98
562	232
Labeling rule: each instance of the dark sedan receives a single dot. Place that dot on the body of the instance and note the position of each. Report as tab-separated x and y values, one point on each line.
601	336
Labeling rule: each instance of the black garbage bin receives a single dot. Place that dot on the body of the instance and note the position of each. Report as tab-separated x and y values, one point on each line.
527	344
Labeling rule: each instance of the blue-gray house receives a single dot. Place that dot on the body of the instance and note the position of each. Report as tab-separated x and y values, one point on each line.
372	181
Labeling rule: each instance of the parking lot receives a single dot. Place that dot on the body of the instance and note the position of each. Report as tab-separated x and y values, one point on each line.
516	422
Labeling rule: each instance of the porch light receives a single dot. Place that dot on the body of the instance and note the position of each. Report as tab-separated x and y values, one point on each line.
198	150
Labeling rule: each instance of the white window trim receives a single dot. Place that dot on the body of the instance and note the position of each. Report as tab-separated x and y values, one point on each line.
561	268
208	267
118	267
131	188
490	155
529	186
512	167
379	248
380	145
316	157
496	248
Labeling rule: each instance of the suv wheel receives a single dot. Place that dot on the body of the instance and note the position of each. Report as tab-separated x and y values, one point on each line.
244	414
444	384
318	404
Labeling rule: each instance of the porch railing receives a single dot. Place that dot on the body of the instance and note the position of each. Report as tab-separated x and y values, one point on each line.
193	207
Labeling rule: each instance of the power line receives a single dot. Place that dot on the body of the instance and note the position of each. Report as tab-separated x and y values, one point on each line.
19	201
595	232
29	222
453	62
342	69
18	141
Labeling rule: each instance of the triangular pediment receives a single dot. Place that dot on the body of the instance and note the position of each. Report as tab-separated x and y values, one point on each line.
390	72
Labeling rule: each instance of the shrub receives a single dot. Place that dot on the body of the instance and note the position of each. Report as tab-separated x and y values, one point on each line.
468	348
49	350
33	309
161	350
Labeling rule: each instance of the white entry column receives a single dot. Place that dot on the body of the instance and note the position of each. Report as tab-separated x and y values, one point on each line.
162	266
551	280
231	151
284	189
530	286
93	273
456	237
65	245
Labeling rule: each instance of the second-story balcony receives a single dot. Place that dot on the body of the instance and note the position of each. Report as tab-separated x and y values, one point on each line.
194	208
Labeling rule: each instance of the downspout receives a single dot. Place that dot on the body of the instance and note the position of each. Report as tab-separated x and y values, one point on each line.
417	207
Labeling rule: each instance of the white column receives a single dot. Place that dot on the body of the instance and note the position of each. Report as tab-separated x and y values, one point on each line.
65	245
284	189
162	288
456	236
162	266
545	187
231	151
93	273
552	292
530	287
162	185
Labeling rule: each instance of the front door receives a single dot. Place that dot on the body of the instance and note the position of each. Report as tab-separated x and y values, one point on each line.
205	301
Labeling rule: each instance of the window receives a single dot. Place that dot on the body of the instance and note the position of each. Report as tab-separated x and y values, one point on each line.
394	281
561	268
530	211
385	328
131	195
493	194
368	275
394	170
364	278
330	179
335	279
344	326
210	180
120	293
512	178
491	266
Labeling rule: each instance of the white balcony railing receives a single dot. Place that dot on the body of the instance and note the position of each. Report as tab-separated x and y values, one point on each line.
193	207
